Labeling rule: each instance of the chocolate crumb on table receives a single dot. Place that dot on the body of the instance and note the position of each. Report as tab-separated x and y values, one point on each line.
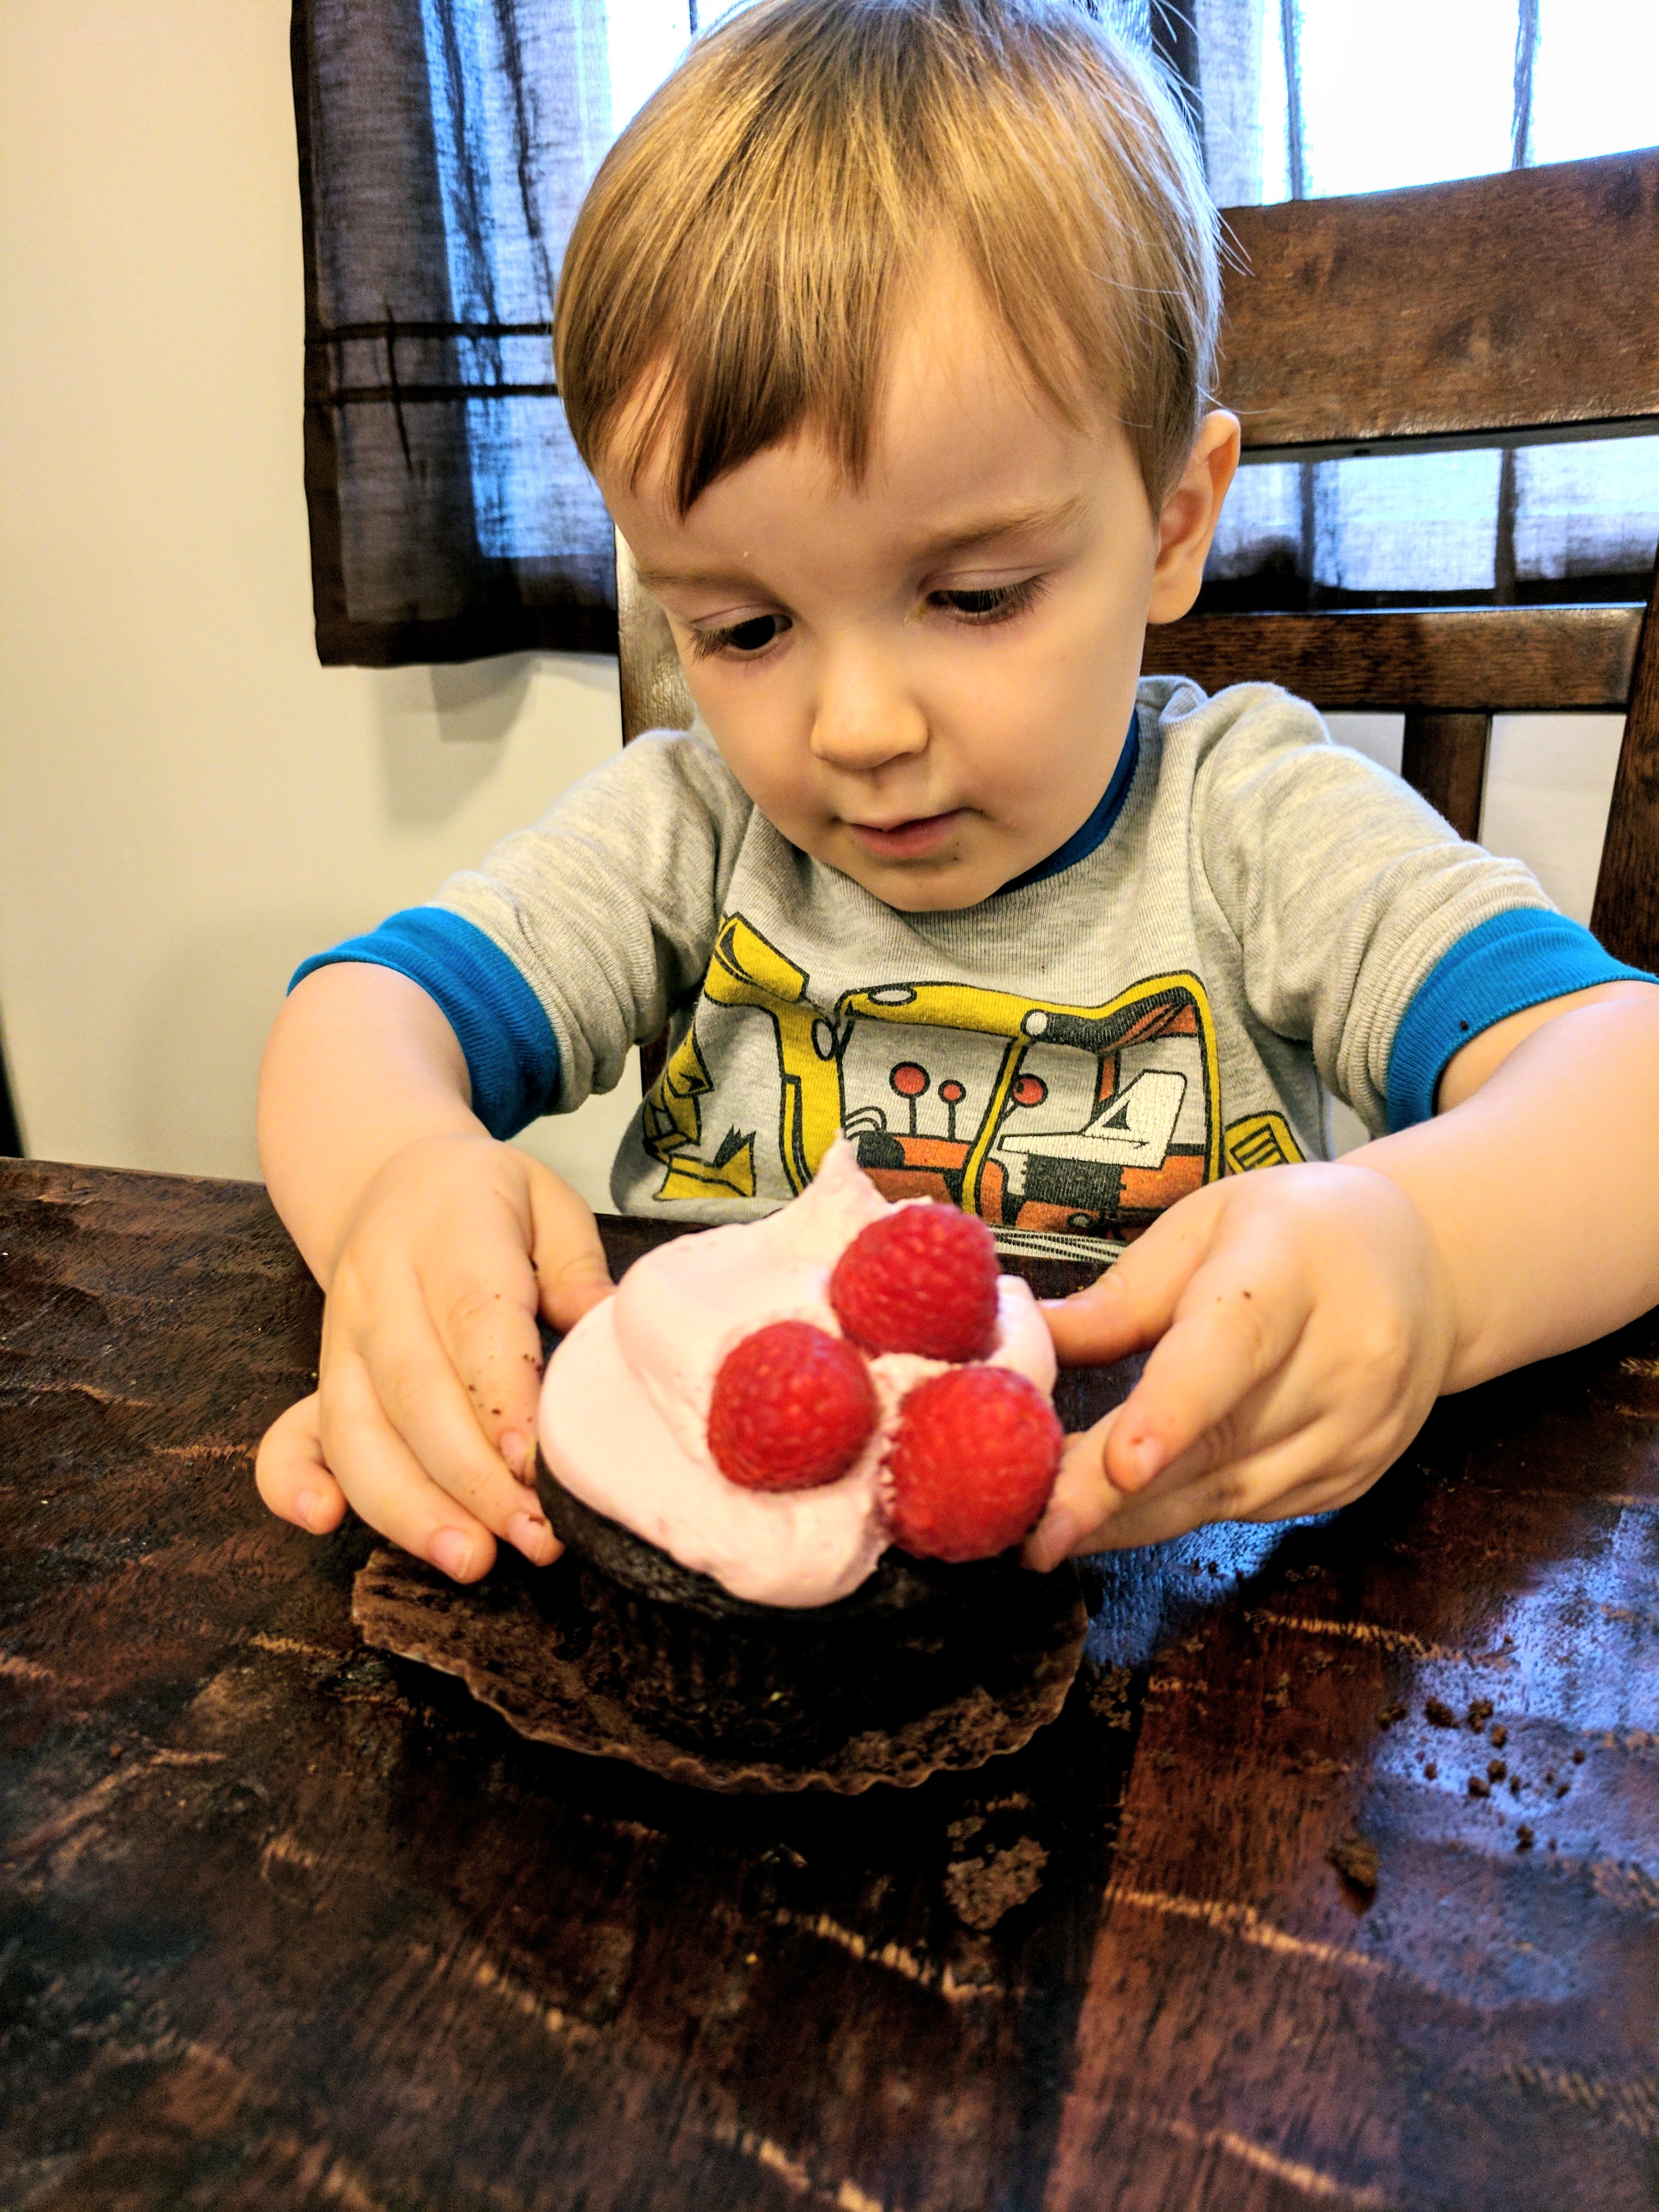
1480	1713
1497	1769
1355	1858
1523	1837
1431	1772
1500	1737
980	1891
1438	1715
1479	1786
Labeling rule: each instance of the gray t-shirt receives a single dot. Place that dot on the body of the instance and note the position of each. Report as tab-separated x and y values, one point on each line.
1065	1060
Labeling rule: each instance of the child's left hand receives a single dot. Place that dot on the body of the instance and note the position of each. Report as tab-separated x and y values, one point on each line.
1302	1323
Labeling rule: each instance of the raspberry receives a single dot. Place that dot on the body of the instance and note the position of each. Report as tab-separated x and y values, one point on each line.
792	1408
972	1464
921	1279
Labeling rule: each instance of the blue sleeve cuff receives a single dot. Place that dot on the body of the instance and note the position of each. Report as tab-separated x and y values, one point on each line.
1512	961
512	1054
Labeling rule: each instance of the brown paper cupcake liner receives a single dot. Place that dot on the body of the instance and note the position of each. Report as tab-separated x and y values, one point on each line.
713	1672
558	1653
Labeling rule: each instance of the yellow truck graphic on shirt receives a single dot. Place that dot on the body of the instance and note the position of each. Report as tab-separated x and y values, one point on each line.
1039	1117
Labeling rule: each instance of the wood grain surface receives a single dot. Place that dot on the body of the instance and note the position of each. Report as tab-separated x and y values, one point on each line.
1444	758
1485	660
1522	302
292	1925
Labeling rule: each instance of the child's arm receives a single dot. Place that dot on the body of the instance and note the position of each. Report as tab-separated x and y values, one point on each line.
436	1246
1306	1318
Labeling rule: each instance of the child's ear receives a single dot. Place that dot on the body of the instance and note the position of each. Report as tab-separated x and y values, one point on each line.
1190	514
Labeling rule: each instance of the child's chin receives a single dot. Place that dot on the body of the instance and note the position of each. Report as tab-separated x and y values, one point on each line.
928	886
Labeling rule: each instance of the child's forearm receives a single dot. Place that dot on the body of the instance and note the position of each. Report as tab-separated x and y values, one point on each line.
360	1064
1542	1189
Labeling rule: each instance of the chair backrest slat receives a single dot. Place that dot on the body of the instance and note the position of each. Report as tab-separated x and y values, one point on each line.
1515	305
1505	660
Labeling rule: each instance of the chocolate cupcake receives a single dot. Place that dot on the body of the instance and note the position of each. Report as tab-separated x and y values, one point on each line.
764	1614
722	1677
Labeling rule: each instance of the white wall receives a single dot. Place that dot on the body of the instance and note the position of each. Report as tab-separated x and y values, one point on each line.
1549	783
188	804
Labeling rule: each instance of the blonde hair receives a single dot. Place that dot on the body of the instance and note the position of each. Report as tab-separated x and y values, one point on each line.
736	265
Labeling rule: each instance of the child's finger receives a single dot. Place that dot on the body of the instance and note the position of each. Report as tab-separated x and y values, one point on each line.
1082	1498
482	1300
572	1272
291	1475
1262	1485
1088	1512
486	1338
389	1488
408	1377
1322	1493
1237	1323
1134	1301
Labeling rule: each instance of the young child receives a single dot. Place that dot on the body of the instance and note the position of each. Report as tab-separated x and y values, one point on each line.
886	329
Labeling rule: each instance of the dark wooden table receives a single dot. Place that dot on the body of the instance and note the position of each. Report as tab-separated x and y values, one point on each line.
289	1924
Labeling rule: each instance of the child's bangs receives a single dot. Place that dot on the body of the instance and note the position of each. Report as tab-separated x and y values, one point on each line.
736	272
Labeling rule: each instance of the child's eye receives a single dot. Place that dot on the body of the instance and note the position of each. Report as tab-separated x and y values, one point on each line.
743	639
998	602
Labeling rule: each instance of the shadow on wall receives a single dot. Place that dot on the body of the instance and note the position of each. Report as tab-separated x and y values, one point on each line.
443	732
441	735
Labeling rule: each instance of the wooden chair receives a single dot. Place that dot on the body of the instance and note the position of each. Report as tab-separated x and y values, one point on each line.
1510	309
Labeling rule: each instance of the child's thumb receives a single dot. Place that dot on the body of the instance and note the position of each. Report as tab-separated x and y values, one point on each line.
1132	1304
1083	1500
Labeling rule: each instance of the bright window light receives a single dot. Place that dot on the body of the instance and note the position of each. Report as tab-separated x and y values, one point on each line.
1596	84
1406	94
646	39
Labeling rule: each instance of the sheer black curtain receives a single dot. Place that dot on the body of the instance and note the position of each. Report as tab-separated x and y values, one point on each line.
445	145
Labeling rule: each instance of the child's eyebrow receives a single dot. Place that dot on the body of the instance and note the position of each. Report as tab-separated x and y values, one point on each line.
1029	520
657	580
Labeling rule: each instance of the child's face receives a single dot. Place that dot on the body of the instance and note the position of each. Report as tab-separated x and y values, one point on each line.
925	680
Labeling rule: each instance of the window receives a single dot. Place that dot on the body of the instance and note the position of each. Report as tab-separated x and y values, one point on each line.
444	146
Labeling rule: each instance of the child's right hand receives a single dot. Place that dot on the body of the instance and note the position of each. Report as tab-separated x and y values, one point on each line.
423	1420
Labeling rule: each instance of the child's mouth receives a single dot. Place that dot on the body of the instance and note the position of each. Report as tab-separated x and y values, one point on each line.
906	840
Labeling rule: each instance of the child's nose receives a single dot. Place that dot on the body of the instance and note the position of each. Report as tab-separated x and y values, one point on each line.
863	719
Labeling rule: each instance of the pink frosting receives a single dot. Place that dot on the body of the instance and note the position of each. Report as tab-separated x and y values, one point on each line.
624	1406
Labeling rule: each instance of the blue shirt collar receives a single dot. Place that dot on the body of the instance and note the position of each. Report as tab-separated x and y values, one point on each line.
1099	827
